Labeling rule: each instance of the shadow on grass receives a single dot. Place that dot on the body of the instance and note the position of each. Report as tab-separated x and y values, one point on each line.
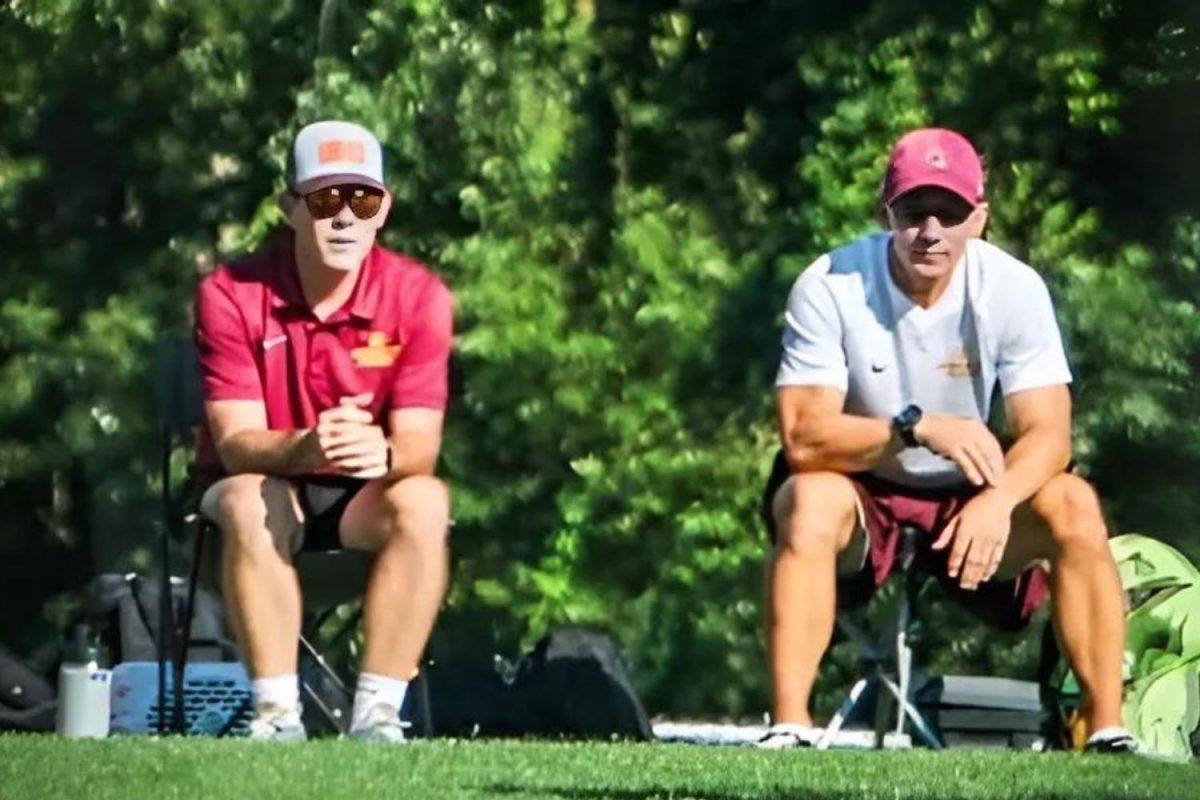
649	793
774	793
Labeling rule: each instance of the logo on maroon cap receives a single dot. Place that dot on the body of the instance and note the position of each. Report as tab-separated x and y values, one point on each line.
934	157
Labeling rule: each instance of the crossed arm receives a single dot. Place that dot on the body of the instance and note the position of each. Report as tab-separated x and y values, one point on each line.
344	441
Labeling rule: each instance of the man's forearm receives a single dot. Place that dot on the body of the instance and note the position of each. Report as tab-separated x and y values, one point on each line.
839	443
412	453
283	453
1035	458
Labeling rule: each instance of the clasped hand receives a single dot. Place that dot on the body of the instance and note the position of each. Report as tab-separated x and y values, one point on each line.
349	441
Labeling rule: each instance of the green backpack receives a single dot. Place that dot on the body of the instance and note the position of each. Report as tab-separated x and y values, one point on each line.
1162	647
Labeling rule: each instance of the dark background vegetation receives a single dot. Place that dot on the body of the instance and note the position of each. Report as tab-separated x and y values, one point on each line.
620	192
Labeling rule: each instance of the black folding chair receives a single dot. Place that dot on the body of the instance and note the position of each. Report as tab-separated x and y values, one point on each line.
177	394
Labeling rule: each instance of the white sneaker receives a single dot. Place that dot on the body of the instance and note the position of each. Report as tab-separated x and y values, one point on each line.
381	725
789	736
273	723
1113	741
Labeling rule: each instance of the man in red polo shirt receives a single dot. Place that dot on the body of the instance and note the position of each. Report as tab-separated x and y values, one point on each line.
324	365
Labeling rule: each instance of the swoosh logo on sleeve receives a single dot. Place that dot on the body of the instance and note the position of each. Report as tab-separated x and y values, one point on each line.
273	341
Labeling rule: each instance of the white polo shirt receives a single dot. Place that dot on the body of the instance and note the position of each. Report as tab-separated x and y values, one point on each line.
848	326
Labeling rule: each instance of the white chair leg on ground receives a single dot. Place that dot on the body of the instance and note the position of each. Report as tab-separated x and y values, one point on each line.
888	693
843	713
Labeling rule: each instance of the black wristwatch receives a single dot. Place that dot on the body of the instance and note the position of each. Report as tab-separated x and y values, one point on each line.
904	422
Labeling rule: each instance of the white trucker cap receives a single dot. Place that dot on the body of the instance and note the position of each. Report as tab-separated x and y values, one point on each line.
330	153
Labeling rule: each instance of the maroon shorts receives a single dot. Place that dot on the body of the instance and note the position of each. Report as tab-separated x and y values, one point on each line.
887	507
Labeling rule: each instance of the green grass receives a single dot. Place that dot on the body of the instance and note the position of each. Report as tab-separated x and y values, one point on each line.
127	769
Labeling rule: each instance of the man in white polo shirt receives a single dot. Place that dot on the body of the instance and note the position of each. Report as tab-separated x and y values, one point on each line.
893	346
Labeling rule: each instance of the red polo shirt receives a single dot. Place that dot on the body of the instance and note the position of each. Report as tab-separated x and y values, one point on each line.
258	340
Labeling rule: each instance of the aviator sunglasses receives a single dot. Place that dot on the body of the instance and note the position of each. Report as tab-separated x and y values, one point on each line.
364	201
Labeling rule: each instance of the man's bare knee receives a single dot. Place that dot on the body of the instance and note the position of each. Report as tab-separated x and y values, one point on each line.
231	499
253	511
815	510
1071	510
417	509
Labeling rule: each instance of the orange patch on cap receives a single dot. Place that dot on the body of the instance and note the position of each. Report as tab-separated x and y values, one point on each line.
341	150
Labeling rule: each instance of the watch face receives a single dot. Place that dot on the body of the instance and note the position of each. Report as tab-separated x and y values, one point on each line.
909	416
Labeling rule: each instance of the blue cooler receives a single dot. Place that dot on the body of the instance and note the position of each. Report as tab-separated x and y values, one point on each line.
217	698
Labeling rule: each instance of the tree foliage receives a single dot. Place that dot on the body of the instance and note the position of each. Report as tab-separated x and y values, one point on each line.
620	194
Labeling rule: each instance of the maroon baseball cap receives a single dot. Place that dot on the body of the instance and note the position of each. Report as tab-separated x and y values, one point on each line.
934	157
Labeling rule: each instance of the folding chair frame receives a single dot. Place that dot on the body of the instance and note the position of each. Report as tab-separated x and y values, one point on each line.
322	688
890	655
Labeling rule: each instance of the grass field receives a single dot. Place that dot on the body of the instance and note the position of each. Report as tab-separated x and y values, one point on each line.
130	769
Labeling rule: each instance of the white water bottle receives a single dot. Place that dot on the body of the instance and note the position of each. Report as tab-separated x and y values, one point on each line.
84	687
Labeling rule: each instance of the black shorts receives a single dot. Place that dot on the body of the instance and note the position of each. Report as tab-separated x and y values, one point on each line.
323	499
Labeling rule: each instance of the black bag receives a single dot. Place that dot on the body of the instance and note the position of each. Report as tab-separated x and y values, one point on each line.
124	609
575	684
27	701
470	697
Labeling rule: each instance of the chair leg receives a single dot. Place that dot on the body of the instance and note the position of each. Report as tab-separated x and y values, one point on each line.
912	714
332	698
891	696
843	713
321	684
165	629
903	675
185	638
323	688
886	710
901	690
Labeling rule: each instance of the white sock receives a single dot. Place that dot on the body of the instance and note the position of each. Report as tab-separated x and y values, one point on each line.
1105	734
281	691
374	690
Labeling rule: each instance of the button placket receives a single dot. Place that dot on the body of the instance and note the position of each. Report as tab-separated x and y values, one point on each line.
317	374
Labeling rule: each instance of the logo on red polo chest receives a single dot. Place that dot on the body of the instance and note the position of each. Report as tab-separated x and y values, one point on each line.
379	351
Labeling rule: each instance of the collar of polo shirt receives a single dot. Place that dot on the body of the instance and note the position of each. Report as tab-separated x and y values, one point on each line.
363	302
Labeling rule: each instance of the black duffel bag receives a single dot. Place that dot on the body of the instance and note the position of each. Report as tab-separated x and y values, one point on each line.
574	684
